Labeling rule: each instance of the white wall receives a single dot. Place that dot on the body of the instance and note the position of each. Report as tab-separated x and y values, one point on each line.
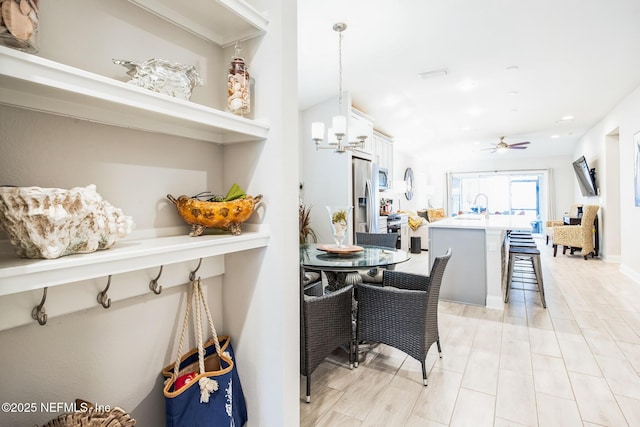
324	174
625	117
115	356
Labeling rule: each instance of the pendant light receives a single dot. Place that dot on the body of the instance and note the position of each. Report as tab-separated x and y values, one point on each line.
337	136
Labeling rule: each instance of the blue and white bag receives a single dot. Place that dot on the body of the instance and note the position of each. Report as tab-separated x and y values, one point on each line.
203	387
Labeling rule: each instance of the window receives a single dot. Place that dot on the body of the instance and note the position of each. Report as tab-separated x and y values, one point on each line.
508	192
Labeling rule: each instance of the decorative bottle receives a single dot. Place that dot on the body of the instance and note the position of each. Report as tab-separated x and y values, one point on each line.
238	92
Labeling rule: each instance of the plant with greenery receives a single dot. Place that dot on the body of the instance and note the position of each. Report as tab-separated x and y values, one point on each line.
304	214
339	217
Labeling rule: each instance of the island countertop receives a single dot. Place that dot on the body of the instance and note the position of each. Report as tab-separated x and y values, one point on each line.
475	270
495	222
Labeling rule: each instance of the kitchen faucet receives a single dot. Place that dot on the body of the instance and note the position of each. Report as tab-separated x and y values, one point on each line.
486	199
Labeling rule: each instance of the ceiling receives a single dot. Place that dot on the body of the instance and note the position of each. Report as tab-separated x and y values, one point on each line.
515	68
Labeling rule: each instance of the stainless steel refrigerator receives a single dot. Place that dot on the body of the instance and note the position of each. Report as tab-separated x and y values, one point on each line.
366	209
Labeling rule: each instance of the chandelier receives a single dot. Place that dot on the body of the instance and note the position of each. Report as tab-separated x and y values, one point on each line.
338	138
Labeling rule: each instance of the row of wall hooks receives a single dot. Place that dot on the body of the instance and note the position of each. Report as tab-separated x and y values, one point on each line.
39	314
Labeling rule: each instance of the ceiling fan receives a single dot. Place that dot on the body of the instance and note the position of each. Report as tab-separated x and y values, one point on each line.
503	146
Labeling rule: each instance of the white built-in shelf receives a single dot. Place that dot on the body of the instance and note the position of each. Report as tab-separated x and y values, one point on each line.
222	22
20	274
39	84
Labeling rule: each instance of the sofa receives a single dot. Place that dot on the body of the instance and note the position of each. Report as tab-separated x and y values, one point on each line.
419	224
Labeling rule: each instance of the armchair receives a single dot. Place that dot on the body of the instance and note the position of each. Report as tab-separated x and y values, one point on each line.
573	211
403	312
577	236
325	324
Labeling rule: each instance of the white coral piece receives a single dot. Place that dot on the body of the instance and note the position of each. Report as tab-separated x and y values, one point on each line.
52	222
158	75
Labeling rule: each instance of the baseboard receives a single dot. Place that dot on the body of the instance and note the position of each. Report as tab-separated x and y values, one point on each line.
495	302
630	273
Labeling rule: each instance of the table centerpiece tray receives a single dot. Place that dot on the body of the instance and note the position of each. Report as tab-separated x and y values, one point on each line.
341	250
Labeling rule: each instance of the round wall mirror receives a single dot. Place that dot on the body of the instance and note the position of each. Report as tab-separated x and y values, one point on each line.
408	179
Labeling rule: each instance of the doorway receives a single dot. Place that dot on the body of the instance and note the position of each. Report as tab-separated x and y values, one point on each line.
610	199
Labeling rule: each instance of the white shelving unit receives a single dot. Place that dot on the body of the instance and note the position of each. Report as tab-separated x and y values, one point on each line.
39	84
21	275
249	278
35	83
222	22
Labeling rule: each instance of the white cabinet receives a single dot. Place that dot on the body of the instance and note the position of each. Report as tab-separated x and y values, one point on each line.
383	151
382	224
404	236
360	123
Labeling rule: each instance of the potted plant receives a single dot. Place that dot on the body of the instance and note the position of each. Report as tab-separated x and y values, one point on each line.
306	232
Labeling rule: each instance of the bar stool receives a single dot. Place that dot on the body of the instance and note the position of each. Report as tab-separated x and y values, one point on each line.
520	233
525	254
515	241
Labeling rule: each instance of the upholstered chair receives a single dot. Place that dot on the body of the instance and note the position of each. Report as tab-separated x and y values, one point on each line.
573	212
579	236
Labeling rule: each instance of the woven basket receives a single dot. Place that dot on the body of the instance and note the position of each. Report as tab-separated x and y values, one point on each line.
116	417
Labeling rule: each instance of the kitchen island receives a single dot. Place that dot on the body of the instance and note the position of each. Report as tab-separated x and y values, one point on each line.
474	273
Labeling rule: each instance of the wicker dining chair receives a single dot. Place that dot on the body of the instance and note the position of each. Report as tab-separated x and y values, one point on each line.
325	324
386	240
403	312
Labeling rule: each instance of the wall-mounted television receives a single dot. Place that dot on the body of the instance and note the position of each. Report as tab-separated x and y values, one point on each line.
586	177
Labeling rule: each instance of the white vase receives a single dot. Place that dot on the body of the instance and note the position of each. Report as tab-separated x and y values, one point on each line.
340	216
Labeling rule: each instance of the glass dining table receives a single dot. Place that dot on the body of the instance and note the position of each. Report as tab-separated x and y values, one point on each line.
347	266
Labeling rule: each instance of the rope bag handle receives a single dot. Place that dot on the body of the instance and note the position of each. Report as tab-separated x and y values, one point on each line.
196	298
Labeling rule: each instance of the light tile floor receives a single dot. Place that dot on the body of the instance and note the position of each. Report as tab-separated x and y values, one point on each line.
576	363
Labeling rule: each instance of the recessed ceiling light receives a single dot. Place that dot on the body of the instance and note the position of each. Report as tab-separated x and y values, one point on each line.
555	136
566	118
512	68
434	73
513	92
466	85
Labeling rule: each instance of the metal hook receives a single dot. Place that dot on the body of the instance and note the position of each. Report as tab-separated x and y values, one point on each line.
38	312
153	284
102	296
192	275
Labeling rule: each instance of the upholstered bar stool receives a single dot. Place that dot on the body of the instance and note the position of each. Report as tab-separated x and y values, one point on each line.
518	253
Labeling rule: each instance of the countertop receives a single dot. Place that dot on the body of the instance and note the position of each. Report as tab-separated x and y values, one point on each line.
495	222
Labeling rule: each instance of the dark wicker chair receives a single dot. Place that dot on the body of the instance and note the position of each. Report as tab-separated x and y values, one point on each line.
386	240
403	312
325	324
